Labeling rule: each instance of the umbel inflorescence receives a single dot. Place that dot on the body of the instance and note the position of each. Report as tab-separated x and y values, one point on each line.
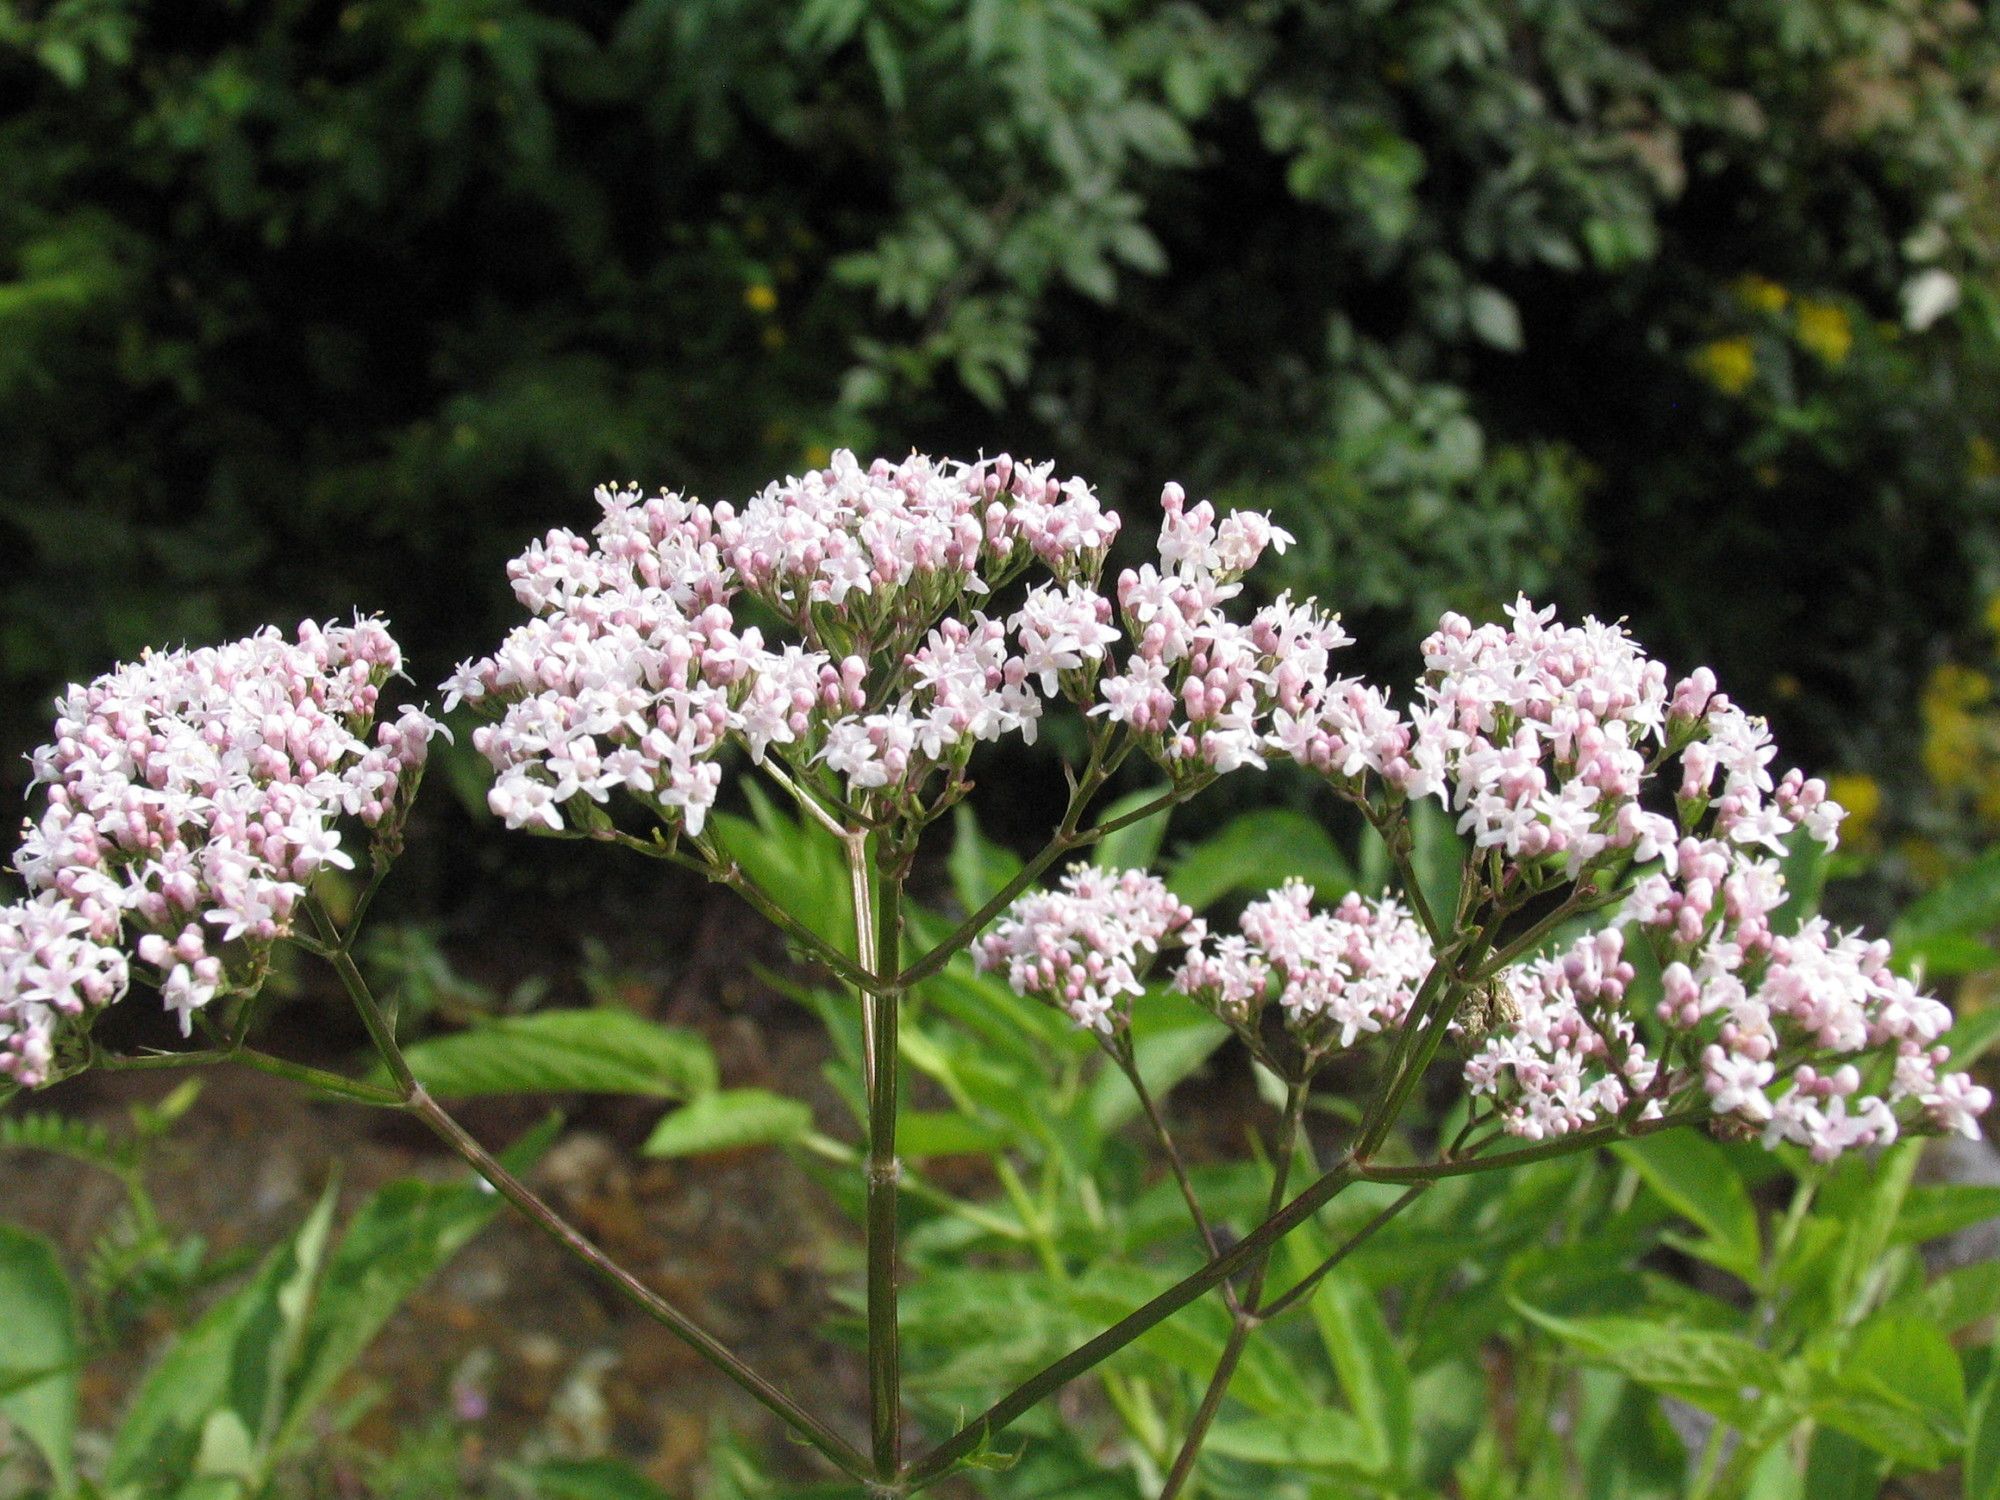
191	797
1546	742
859	631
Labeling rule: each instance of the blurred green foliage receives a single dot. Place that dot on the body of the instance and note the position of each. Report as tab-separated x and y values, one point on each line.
312	305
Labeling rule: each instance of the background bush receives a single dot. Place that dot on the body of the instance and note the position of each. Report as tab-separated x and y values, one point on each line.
1643	306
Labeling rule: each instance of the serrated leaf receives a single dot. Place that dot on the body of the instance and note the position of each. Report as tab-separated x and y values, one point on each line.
1719	1372
594	1051
230	1360
1257	851
1372	1372
729	1120
1899	1389
38	1353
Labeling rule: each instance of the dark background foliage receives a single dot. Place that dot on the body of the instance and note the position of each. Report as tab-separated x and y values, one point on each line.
309	306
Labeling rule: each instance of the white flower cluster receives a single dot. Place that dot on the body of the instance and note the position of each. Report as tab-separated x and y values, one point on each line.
1337	974
1084	946
192	796
1546	740
636	672
1807	1038
1202	692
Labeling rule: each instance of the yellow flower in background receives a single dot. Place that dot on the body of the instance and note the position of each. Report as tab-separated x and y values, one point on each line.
1823	327
1982	459
1992	614
1861	795
760	297
1953	732
1728	364
818	455
1762	293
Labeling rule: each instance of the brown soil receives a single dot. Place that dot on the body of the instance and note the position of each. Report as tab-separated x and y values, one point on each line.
740	1241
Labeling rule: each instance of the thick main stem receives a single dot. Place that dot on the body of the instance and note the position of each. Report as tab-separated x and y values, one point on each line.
1245	1320
878	926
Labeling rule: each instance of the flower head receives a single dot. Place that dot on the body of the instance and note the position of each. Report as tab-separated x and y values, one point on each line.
191	799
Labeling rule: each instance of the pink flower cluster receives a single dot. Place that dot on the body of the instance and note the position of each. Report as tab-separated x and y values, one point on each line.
1540	737
1807	1038
1546	740
1337	974
192	796
1568	1054
1205	694
1084	946
635	673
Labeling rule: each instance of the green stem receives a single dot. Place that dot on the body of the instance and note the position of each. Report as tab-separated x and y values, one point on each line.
1008	1409
879	932
1245	1320
1122	1054
417	1102
1394	827
1067	838
717	866
983	1428
1304	1287
804	1423
1584	1140
263	1062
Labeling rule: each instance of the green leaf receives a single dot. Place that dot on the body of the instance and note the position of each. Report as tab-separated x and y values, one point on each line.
979	868
586	1479
1958	1299
1259	850
1934	1211
232	1360
38	1354
1372	1372
796	862
729	1120
923	1133
1946	930
396	1241
1839	1468
1494	318
1982	1443
1899	1389
1973	1037
1134	847
1693	1176
1872	1224
1806	865
1437	855
1331	1441
1719	1372
1170	1039
595	1051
